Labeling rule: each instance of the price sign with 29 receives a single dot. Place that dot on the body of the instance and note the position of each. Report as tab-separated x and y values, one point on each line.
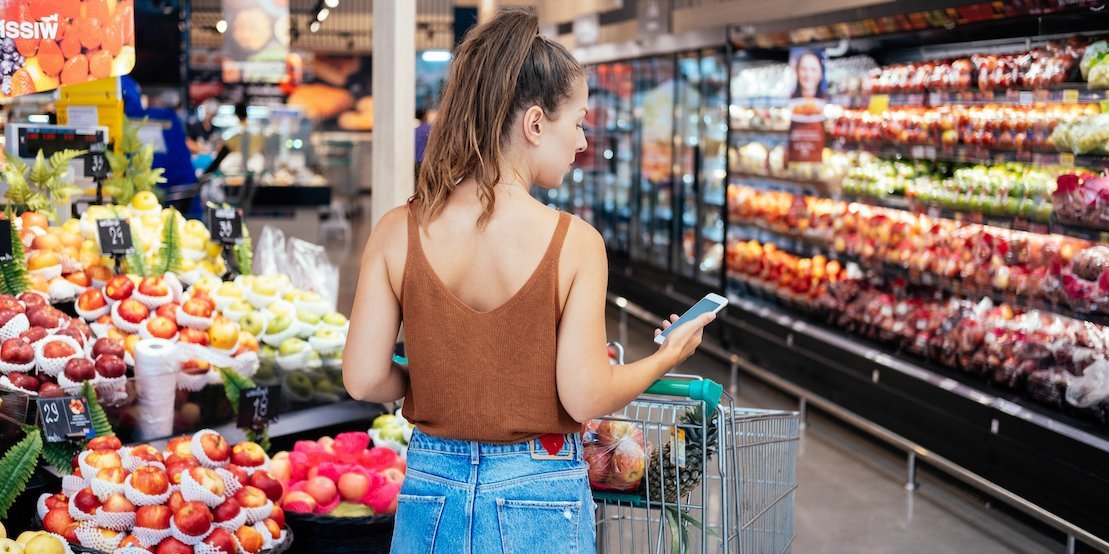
115	236
258	406
227	224
65	418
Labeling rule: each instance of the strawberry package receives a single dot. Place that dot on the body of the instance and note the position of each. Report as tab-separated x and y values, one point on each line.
617	453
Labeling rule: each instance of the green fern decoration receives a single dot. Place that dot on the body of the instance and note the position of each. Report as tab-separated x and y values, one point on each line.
132	166
19	191
14	272
233	385
60	455
168	259
262	438
17	466
56	186
100	423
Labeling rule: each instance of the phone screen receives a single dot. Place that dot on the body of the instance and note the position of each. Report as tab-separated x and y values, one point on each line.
703	307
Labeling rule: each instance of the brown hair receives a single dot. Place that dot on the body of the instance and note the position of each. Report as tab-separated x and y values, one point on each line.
502	68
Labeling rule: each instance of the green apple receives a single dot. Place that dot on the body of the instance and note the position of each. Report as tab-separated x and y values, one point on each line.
267	353
314	360
279	324
385	420
229	290
325	333
281	308
310	296
326	387
253	322
298	382
264	286
393	433
308	317
335	319
265	372
292	346
241	306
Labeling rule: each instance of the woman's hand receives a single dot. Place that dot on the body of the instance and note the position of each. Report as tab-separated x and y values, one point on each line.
682	342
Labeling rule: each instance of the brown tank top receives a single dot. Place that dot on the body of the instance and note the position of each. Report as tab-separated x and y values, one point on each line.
483	376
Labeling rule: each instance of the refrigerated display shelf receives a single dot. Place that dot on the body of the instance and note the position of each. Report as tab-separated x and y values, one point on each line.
808	248
972	154
1068	93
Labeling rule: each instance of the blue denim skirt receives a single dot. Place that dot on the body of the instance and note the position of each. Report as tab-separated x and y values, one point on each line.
478	498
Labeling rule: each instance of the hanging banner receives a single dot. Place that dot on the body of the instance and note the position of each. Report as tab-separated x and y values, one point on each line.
48	44
256	41
806	129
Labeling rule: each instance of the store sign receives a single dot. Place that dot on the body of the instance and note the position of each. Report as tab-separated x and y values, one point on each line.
64	418
53	44
653	17
256	42
258	406
806	129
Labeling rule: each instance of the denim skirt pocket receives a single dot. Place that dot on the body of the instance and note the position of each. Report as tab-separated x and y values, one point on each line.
530	526
416	523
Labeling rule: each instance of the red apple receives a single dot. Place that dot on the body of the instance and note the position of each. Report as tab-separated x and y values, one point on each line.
250	540
278	515
208	479
70	533
228	510
105	442
6	315
182	446
197	307
133	311
33	335
300	502
58	349
32	299
353	486
175	501
193	336
118	503
23	381
103	458
8	302
193	519
222	539
110	366
273	528
322	489
215	447
173	546
393	475
168	311
153	517
150	480
153	286
86	501
107	346
45	316
112	475
239	474
17	351
132	541
248	454
270	486
194	366
147	453
73	333
79	369
251	497
56	520
55	501
161	327
119	287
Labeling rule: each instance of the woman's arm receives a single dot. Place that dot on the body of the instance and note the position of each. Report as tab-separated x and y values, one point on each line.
368	371
588	385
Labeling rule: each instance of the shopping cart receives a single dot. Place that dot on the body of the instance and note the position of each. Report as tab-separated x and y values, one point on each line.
746	461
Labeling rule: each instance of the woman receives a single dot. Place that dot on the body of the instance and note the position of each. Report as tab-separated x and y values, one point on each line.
810	76
503	306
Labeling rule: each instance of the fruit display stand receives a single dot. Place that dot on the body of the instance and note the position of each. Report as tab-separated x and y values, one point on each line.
938	278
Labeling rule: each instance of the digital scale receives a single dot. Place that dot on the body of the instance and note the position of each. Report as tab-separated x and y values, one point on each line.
26	139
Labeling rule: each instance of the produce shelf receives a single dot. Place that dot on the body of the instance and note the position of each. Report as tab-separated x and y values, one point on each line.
972	154
1068	93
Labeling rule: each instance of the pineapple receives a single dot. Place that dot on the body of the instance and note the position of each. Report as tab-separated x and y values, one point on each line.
700	446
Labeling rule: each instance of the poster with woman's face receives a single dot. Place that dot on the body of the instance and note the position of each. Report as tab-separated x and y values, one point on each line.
808	64
806	133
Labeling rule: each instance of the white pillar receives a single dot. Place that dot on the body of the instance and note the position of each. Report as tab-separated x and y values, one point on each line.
394	93
486	9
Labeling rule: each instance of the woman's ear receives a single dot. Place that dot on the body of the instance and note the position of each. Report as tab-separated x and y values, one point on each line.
532	122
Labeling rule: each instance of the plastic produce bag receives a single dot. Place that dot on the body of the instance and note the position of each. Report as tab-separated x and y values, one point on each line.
1092	388
617	453
1092	56
269	251
312	270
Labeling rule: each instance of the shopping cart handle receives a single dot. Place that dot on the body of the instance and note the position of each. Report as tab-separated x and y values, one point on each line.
400	360
706	390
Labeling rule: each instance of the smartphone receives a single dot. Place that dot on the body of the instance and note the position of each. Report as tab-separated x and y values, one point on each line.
711	303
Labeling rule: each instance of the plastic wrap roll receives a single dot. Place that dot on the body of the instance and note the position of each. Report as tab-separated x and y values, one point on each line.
155	382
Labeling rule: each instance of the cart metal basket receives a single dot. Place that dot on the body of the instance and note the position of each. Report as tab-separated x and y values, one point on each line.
743	502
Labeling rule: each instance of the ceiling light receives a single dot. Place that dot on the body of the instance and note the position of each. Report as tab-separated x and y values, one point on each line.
331	3
314	26
221	26
323	15
436	56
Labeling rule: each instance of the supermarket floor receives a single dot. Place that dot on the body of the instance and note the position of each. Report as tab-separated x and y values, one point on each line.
850	497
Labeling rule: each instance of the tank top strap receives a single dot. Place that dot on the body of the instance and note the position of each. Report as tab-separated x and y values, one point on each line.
555	247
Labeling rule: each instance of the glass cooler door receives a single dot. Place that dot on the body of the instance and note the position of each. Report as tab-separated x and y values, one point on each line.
654	109
611	114
713	165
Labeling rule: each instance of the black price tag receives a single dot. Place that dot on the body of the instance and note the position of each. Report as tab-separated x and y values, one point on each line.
65	418
115	236
258	406
226	223
96	164
5	242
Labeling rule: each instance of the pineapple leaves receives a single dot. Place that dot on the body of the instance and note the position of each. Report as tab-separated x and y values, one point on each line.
100	422
17	466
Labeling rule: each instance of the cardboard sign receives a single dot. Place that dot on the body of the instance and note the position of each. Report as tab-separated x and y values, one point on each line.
65	418
104	34
115	236
226	225
258	406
